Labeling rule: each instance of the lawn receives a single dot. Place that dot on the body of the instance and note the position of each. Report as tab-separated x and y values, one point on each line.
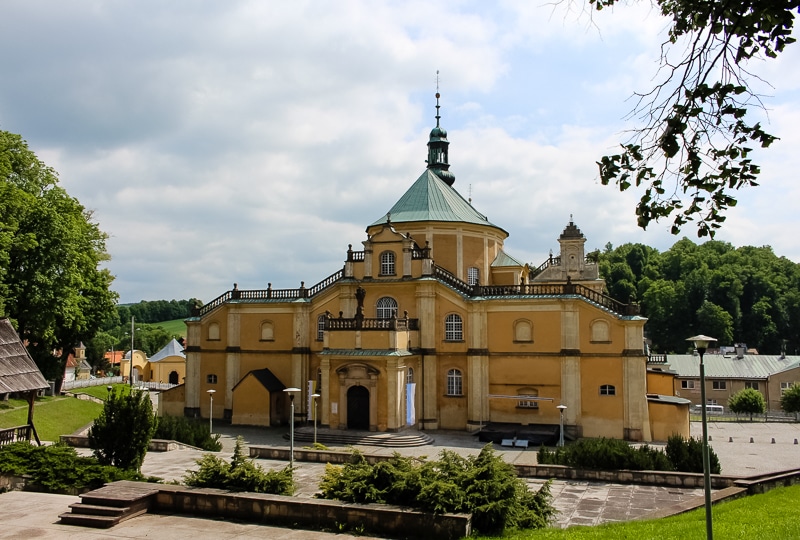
772	515
101	392
177	327
52	416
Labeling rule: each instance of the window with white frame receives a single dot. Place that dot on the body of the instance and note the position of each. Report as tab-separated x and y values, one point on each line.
751	384
687	385
719	385
453	327
455	383
608	390
386	308
473	276
387	263
785	386
410	376
320	327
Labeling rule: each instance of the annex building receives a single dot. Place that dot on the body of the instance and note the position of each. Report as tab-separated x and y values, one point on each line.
431	324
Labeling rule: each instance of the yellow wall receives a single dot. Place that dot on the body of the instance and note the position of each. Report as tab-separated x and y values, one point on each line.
171	402
601	415
667	419
251	403
660	382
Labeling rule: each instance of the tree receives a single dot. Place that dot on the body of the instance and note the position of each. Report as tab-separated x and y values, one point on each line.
694	148
51	283
747	401
716	321
790	400
121	434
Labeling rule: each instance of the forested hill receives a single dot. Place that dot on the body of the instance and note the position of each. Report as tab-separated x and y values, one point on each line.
157	310
737	295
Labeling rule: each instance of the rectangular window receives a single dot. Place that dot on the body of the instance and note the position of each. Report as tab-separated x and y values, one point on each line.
785	386
473	276
751	384
719	385
687	385
525	404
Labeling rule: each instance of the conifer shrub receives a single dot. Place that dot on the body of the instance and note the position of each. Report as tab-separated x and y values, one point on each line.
241	474
58	468
121	434
483	485
191	431
686	455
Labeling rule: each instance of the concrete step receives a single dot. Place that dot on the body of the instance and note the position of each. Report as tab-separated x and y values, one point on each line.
337	437
87	520
98	510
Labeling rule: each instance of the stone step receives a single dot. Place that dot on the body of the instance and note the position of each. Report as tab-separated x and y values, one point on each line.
88	520
98	510
366	438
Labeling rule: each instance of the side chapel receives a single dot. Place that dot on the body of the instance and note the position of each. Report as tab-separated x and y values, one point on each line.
432	325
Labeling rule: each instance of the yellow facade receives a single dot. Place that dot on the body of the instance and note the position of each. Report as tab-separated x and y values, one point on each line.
431	326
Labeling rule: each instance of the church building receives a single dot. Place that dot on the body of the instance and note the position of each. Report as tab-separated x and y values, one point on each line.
431	324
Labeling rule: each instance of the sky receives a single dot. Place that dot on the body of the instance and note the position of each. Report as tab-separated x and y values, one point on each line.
250	142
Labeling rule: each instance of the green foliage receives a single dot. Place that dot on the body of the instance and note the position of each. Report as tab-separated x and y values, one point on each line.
738	295
606	454
240	475
191	431
52	285
483	485
58	468
121	434
747	401
790	400
694	149
686	455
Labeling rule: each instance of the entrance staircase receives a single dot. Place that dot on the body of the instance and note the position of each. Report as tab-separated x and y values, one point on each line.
342	437
109	505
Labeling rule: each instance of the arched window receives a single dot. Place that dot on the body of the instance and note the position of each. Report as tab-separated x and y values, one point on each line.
523	331
387	263
455	383
267	331
600	331
410	376
211	378
213	331
473	276
320	327
608	390
453	328
386	308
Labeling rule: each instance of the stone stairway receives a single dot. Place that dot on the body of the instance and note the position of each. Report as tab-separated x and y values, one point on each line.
109	505
341	437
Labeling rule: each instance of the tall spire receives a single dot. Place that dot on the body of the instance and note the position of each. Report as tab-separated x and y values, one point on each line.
438	147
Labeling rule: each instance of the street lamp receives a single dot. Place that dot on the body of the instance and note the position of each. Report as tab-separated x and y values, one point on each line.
291	391
314	398
211	411
561	430
701	343
109	387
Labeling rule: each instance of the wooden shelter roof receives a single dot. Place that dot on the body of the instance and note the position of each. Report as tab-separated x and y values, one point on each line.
18	371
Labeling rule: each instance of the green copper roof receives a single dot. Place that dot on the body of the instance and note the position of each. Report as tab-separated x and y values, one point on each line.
431	199
504	259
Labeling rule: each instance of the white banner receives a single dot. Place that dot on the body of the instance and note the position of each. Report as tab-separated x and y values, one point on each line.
411	411
309	402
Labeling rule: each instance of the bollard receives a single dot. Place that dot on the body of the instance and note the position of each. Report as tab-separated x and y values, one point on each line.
773	440
730	439
709	438
795	441
751	439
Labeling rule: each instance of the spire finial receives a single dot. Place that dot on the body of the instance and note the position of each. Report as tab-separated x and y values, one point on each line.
570	218
437	98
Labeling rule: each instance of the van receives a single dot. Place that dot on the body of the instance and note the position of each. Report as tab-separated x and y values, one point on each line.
710	409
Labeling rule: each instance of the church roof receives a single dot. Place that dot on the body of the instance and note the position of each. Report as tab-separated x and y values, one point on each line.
504	259
173	348
267	379
431	199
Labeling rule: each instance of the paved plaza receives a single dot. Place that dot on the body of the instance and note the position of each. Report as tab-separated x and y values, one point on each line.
31	515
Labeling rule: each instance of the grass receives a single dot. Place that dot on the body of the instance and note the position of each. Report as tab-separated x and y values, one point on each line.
52	416
772	515
101	392
176	326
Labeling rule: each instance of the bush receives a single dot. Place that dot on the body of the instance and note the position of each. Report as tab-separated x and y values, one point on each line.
790	400
58	468
191	431
747	401
121	434
686	455
483	485
606	454
240	475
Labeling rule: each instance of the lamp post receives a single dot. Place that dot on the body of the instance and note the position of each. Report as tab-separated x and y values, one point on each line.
132	334
291	391
109	388
314	398
211	411
561	430
701	343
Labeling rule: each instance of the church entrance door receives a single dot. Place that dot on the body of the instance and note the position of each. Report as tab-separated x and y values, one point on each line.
358	408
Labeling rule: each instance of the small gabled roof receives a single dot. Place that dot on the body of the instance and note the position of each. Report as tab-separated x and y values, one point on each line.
18	371
431	199
267	379
504	259
173	348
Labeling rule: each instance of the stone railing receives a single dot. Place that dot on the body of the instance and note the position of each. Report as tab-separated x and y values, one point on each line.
14	434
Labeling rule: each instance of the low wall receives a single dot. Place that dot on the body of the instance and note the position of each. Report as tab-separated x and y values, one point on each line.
156	445
316	514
